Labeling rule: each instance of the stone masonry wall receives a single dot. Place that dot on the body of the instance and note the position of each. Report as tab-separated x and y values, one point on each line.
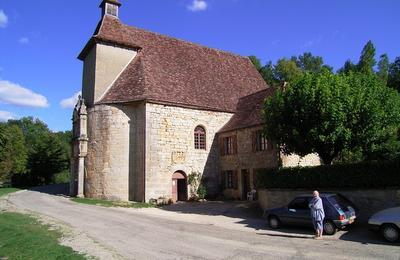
294	160
246	159
170	147
107	162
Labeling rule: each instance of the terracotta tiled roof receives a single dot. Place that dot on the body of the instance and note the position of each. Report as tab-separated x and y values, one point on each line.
249	111
173	71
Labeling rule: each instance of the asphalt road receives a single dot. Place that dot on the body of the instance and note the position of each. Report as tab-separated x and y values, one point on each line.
141	234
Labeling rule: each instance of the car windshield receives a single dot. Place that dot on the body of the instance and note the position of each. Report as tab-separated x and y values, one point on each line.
340	202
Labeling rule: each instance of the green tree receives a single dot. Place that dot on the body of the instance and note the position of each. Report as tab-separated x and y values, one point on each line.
367	59
286	70
383	68
48	153
268	74
47	160
13	153
308	62
348	67
327	114
34	130
256	62
394	74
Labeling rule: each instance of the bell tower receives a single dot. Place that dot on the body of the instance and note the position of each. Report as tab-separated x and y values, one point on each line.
110	7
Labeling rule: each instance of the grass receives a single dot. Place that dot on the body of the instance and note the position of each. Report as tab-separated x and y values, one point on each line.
5	191
23	237
108	203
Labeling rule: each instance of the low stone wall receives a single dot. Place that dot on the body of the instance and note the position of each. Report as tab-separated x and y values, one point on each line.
367	201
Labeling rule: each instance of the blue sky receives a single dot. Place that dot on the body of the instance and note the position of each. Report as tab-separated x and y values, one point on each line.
40	40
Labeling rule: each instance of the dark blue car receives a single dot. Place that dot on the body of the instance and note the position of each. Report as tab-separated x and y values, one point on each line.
339	212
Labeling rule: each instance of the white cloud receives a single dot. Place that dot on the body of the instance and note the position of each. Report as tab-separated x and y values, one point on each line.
14	94
5	116
24	40
197	5
3	19
71	101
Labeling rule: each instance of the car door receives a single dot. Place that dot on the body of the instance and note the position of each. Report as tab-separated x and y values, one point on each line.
298	212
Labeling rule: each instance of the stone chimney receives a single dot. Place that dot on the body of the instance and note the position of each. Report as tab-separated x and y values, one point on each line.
110	7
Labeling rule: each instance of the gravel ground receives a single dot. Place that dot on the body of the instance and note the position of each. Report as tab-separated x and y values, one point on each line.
213	230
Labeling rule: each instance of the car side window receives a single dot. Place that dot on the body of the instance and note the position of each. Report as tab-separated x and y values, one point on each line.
299	203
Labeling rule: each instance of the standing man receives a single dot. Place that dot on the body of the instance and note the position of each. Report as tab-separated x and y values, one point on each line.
317	214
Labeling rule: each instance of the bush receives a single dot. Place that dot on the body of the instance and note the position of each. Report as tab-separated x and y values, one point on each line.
62	177
202	191
366	175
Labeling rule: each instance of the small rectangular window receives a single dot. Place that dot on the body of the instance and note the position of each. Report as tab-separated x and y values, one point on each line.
228	145
230	180
112	9
260	142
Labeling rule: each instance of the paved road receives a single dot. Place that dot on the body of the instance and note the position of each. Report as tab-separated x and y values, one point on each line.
141	234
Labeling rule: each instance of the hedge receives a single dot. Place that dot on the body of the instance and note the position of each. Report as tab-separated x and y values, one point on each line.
366	175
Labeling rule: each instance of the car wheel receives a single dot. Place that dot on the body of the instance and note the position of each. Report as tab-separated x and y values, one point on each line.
390	232
274	222
329	227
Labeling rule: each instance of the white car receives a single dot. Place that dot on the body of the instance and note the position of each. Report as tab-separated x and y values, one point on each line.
387	222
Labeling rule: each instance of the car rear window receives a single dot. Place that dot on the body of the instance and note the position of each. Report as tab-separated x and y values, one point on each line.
340	202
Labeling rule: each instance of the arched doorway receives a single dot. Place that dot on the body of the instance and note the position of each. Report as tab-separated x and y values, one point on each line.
179	186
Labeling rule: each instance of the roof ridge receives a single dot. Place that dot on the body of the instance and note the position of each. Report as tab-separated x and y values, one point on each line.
181	40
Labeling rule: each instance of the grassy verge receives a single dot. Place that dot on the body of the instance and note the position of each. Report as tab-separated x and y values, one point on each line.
108	203
5	191
23	237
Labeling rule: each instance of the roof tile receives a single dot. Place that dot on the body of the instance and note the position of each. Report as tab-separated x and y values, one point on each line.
175	71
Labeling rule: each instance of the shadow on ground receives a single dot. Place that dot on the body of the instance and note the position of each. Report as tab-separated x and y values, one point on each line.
55	189
249	214
361	234
234	209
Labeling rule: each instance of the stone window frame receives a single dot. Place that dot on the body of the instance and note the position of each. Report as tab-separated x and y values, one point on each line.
200	138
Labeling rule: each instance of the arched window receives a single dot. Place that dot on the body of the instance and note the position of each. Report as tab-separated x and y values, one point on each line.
199	138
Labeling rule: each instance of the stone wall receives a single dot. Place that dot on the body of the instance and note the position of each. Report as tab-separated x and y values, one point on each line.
246	159
293	160
109	167
367	201
170	147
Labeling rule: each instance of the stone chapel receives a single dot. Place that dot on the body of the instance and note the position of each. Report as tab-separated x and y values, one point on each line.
155	109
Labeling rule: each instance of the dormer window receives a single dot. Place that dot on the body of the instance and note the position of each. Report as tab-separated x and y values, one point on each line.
112	9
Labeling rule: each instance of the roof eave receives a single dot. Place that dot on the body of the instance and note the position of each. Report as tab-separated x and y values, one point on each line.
96	39
222	131
161	102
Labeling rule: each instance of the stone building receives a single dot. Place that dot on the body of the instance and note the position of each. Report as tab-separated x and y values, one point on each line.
244	151
151	111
